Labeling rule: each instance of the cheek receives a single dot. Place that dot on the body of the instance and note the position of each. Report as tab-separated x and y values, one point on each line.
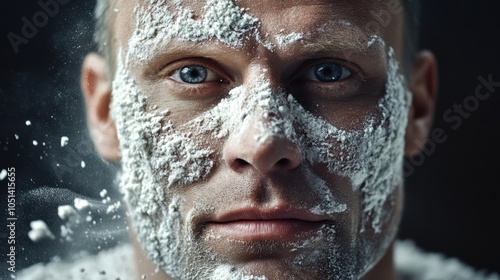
179	159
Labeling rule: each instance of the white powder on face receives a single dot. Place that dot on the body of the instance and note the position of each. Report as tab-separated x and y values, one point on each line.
157	157
39	231
327	203
373	166
173	152
3	174
35	143
158	23
222	20
341	261
285	41
384	171
154	158
178	158
375	152
28	123
278	115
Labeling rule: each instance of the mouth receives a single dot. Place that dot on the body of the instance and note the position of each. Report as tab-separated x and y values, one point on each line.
256	230
271	224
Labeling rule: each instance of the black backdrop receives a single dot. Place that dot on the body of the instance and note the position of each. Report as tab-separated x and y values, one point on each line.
452	205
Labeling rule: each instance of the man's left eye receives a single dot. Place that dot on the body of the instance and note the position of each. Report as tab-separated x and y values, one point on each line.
327	73
195	74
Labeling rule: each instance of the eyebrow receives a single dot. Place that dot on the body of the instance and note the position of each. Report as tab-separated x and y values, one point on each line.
345	39
181	49
311	43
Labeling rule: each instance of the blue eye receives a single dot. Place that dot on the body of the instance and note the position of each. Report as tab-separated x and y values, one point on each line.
327	73
195	74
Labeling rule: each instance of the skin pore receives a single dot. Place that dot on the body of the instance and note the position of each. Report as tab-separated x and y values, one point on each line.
271	150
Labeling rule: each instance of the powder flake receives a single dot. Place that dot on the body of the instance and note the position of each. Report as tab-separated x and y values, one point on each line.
39	231
64	141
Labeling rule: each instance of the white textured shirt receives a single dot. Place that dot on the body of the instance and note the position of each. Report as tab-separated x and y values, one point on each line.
412	263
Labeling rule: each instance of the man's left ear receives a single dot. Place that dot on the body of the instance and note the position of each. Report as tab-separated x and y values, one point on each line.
423	84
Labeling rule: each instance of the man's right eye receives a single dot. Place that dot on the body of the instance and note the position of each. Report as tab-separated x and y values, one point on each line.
195	74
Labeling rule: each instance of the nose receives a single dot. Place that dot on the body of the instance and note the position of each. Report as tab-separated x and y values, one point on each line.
260	147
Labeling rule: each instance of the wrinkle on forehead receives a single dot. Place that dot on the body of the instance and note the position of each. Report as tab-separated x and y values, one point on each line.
159	22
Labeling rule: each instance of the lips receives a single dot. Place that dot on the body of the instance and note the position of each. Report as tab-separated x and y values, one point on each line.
252	224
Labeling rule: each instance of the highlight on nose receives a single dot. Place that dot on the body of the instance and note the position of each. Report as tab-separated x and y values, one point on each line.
273	154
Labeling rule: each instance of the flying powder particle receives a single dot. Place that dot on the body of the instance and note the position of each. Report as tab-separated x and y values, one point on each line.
39	231
64	141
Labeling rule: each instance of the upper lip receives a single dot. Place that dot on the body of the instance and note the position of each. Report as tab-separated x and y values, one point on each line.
263	214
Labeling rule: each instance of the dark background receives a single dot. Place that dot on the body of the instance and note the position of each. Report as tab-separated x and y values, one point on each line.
452	205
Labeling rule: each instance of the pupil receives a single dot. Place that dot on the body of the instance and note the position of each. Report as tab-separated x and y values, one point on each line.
328	72
193	74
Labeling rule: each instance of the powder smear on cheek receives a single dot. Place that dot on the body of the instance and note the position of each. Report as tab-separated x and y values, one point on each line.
146	159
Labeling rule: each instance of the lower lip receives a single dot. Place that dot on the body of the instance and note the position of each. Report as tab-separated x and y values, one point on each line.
252	230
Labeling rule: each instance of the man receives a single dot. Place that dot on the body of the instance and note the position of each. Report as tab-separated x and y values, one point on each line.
260	139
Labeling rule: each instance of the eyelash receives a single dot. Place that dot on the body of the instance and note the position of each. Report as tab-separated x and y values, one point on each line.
211	76
305	77
309	67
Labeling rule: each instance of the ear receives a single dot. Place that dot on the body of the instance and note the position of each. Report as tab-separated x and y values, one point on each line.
423	84
96	87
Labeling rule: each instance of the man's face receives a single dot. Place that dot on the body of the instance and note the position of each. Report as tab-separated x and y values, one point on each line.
260	138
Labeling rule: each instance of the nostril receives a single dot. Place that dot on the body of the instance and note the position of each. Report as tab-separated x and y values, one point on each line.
244	151
240	162
284	162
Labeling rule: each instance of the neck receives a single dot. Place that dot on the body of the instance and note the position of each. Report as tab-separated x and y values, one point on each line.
384	269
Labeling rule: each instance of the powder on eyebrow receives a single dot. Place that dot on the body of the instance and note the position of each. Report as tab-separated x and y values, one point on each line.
159	23
284	41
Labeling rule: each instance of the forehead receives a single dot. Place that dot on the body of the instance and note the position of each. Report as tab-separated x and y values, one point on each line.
352	20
